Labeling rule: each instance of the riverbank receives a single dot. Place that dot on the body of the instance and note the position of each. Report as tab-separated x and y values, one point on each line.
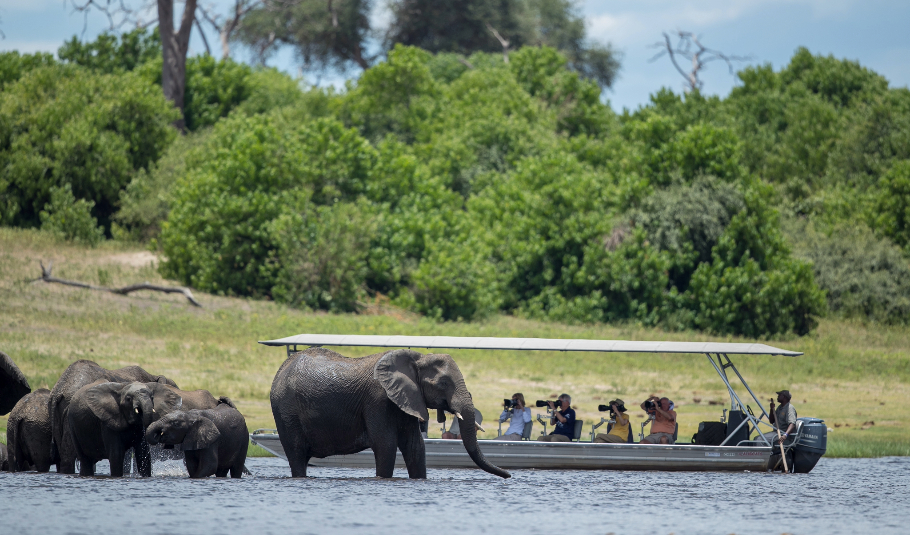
856	376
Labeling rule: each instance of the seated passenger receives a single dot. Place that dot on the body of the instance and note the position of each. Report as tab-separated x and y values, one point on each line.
664	424
619	433
454	432
520	416
564	418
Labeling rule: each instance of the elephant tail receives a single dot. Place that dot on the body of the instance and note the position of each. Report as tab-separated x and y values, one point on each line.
227	401
247	471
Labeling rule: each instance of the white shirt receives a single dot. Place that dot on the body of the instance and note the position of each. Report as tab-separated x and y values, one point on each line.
517	426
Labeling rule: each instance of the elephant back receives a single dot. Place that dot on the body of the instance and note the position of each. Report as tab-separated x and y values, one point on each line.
13	384
318	369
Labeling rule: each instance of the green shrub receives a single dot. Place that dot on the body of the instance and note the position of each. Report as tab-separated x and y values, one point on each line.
891	212
106	55
863	275
322	256
13	65
64	125
70	219
219	236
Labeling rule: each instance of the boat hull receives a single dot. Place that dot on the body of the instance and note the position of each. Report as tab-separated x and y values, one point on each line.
561	456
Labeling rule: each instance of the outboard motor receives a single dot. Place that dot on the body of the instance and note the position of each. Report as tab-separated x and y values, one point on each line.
810	445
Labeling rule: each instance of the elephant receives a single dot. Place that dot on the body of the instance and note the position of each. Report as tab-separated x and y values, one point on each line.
214	441
76	376
105	419
13	384
28	434
327	404
4	462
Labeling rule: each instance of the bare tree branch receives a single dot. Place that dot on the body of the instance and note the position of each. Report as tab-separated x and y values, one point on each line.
226	26
205	41
503	42
690	47
47	277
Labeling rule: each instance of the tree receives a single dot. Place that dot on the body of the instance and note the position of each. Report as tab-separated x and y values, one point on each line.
174	42
324	33
467	26
690	48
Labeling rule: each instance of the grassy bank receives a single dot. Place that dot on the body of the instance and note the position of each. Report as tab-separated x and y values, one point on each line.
855	376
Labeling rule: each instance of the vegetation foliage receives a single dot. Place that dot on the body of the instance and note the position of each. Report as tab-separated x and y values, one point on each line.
464	186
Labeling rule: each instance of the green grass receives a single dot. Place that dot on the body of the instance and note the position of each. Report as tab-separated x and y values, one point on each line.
852	373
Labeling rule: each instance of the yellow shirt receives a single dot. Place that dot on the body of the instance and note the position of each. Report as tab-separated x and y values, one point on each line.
621	431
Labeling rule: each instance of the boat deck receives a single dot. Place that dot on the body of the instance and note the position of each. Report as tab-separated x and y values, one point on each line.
561	455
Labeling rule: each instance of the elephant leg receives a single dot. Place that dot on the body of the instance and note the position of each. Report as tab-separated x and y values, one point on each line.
191	460
143	454
221	473
413	449
115	455
207	464
237	471
67	451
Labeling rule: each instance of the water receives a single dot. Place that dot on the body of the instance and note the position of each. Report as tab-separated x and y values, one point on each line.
839	496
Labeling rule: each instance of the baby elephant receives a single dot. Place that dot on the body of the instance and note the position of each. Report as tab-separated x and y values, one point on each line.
214	440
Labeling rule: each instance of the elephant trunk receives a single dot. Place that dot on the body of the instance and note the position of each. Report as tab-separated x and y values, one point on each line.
469	436
146	410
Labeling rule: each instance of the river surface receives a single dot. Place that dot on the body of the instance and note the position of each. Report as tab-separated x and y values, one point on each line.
839	496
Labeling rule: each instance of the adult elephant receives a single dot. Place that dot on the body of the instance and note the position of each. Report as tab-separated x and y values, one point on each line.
106	419
28	434
76	376
13	384
327	404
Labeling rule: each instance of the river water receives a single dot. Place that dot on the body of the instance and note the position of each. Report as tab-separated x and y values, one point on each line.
839	496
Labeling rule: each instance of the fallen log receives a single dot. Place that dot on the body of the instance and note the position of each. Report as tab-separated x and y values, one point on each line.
47	277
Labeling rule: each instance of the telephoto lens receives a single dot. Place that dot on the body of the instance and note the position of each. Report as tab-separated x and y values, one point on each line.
650	405
542	403
509	403
603	408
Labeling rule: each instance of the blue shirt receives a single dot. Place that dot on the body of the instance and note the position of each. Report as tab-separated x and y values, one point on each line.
568	428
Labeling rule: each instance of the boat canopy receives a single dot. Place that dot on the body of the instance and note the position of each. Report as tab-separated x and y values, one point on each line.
528	344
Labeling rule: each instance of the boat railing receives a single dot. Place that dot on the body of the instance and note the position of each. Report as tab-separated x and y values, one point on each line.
600	423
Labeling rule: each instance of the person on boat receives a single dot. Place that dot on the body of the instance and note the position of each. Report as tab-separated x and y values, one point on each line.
784	417
454	432
619	433
664	424
520	415
564	418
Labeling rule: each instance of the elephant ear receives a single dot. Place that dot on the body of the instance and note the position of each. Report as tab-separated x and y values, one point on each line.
396	371
104	401
202	434
165	399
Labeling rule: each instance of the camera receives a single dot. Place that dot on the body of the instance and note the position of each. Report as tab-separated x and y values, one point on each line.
542	403
609	408
509	404
650	405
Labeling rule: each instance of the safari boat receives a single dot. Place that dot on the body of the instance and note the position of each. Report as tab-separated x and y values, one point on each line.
736	451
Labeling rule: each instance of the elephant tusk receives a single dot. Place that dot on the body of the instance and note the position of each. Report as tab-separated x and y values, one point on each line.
153	410
137	410
459	415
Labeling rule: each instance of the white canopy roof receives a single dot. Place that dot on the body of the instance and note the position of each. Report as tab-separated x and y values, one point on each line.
534	344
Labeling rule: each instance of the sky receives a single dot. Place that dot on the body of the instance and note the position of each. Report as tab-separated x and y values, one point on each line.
872	32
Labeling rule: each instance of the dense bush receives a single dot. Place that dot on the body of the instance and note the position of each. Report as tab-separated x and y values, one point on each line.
63	125
70	219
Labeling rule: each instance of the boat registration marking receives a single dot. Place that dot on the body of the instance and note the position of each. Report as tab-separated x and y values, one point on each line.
712	454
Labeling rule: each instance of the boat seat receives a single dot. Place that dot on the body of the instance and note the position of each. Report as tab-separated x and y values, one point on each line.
578	425
526	432
675	432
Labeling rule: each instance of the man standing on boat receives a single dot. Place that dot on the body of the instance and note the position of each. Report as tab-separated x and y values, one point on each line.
564	417
784	418
664	425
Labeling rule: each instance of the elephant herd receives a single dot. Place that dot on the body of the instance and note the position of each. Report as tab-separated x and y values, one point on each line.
324	404
93	413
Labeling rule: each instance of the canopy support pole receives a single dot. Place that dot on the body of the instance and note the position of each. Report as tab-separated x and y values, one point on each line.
733	396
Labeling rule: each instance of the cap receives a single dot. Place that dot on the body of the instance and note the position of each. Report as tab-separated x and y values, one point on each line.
785	393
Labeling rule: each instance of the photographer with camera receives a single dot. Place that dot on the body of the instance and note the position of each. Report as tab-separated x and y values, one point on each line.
619	433
664	424
563	417
520	415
